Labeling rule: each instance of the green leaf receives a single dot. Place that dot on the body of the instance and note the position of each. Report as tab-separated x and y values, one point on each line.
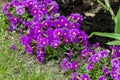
113	43
110	35
117	22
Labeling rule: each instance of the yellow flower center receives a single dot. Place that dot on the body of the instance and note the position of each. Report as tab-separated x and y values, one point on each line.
76	65
39	15
66	40
58	33
46	24
73	26
35	11
97	58
58	25
114	75
43	9
55	44
78	18
36	5
68	67
115	63
66	24
105	55
65	33
38	30
31	2
85	78
44	42
15	19
20	10
74	33
62	20
41	57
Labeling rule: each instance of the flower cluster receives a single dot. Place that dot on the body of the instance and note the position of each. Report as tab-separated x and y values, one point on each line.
95	55
45	25
83	77
115	62
67	65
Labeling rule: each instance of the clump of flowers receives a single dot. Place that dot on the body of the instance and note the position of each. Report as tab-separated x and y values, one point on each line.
46	26
46	33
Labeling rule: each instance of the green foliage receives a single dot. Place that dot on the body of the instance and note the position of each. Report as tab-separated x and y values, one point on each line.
12	65
83	70
3	22
51	52
116	18
113	43
117	22
110	35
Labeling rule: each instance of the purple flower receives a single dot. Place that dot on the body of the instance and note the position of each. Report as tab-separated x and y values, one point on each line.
85	77
117	77
13	20
29	49
44	42
6	7
115	69
40	50
39	16
65	33
90	66
75	76
105	71
58	24
85	52
67	40
73	32
30	3
25	40
15	3
62	19
66	24
20	10
38	30
57	32
76	17
13	27
75	65
64	62
41	57
55	43
113	74
90	59
96	45
55	6
102	78
68	66
75	25
44	9
114	62
104	53
13	47
70	53
96	57
34	11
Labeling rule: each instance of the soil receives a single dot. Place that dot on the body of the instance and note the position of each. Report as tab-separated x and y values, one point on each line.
95	18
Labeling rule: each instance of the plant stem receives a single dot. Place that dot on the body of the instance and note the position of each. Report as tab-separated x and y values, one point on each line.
107	7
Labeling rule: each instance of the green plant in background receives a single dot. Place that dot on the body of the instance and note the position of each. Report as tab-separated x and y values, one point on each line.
116	18
3	22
